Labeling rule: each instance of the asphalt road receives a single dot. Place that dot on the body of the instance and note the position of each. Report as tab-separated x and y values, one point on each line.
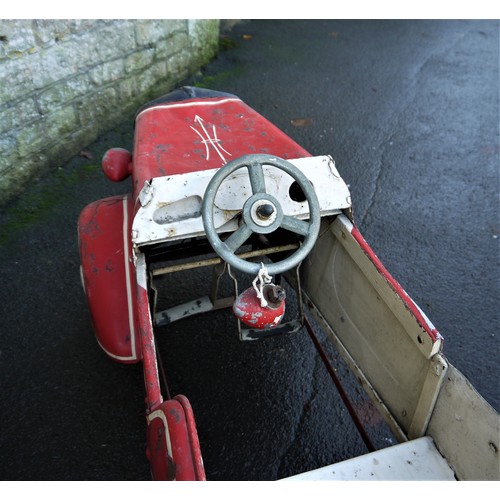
410	112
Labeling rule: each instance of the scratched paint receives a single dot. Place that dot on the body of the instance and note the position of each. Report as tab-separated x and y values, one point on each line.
208	133
178	211
211	140
103	229
248	310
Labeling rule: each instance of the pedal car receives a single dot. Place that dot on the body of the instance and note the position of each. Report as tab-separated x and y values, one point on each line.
216	184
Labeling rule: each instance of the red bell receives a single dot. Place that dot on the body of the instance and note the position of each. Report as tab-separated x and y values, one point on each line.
248	307
117	164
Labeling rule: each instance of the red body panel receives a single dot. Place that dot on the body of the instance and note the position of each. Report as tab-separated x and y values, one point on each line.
201	134
109	276
173	448
145	324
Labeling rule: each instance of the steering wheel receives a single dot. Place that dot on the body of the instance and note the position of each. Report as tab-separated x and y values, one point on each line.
262	214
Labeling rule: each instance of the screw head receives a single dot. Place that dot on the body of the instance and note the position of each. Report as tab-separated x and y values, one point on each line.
265	211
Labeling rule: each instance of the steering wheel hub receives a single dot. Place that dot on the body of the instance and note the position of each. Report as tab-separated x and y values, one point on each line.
262	213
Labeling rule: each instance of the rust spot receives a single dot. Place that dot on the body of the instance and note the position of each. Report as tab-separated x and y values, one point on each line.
91	227
159	442
171	469
174	412
368	414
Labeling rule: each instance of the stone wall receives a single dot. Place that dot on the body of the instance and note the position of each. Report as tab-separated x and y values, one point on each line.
64	82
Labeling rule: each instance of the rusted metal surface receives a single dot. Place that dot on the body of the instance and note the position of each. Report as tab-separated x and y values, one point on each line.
197	306
150	365
217	260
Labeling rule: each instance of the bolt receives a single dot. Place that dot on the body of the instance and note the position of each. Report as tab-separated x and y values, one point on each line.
265	211
275	295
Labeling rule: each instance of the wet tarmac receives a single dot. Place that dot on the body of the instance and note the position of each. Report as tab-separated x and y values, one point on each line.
410	112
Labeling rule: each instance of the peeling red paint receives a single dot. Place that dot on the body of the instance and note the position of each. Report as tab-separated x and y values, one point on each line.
248	310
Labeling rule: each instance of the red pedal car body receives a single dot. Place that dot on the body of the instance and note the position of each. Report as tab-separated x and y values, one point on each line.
216	184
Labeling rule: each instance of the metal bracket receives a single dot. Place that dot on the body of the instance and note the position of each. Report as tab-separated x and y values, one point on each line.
203	304
213	302
434	380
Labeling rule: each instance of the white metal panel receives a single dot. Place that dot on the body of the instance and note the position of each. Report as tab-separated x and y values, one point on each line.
416	460
374	324
466	429
171	205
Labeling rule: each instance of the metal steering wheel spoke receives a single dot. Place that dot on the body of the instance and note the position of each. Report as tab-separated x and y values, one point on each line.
298	226
256	174
238	238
